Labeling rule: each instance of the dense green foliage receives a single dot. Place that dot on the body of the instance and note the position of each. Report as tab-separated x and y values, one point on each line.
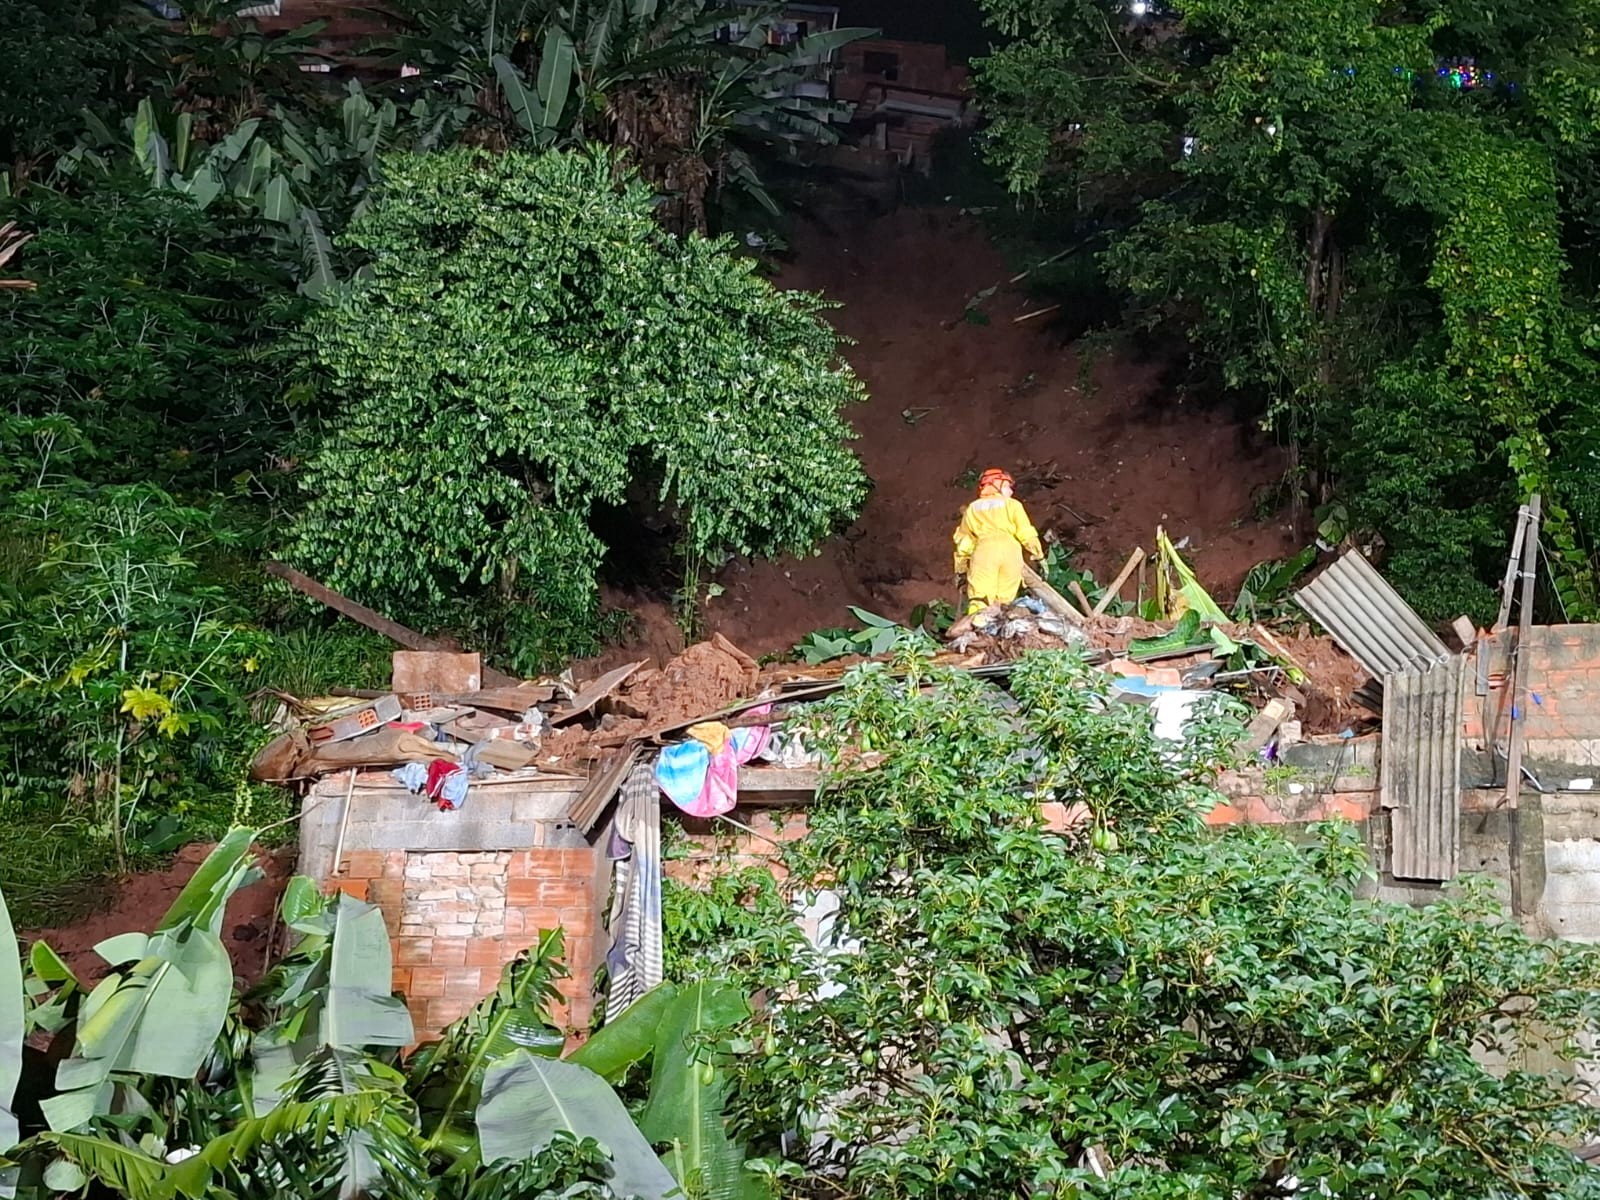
1213	1014
1397	268
527	345
53	59
147	330
172	1085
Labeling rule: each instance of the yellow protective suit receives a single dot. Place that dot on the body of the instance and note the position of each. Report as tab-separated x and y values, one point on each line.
993	533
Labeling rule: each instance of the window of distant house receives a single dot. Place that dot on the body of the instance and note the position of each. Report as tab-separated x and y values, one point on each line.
881	63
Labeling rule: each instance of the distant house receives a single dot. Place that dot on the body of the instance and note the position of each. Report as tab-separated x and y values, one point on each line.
792	26
906	94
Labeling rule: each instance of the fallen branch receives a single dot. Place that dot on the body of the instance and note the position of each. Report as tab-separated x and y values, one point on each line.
375	621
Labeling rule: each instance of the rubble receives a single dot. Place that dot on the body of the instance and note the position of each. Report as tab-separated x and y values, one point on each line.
600	730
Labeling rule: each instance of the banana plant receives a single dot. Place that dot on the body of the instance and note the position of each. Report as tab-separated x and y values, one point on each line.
12	1029
684	1033
299	1089
161	1008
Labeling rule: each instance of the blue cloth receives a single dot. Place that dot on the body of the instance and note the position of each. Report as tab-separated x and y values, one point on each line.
681	771
413	776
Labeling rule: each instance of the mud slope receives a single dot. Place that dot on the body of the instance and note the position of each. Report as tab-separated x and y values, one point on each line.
1098	468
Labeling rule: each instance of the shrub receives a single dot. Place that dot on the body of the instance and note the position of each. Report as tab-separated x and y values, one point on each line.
527	345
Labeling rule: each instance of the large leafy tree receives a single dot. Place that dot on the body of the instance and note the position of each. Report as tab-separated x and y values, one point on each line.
527	345
1138	1008
1389	247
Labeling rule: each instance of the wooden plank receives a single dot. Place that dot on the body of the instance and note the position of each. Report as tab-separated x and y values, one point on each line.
1115	589
1053	600
595	692
1083	601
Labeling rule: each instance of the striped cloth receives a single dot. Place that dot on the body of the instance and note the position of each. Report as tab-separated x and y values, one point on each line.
634	963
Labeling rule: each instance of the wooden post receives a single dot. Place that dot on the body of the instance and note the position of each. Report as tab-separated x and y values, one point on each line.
1053	600
344	824
1507	585
1128	568
1519	711
1083	600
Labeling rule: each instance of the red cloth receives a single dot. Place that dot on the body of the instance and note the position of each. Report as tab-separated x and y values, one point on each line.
438	772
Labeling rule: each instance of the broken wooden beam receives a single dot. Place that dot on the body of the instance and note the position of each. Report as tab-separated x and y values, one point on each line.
1115	587
373	620
1053	600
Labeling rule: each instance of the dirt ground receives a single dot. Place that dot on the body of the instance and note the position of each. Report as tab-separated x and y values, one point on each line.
1098	468
141	900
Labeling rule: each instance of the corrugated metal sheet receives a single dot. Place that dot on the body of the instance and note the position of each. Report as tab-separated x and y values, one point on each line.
1421	769
1369	619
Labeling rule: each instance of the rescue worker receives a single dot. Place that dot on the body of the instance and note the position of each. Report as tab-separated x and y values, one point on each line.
990	541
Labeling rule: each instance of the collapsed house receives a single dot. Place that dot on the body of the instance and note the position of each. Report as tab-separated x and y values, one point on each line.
475	813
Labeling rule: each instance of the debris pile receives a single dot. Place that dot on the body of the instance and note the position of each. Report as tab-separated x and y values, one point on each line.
713	709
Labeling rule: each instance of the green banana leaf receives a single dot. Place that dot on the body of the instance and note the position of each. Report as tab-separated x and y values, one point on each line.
162	1014
12	1017
527	1100
556	67
688	1093
362	1009
1187	595
524	104
332	991
630	1038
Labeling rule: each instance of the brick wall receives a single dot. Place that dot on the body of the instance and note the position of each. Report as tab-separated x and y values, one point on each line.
1563	693
456	918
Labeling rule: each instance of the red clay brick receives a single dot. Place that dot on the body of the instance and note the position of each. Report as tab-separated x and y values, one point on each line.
427	982
524	891
484	952
401	981
1348	808
535	921
356	888
413	951
462	981
394	863
449	952
363	864
562	892
1224	814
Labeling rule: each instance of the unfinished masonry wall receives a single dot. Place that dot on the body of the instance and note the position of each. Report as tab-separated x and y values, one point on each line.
464	892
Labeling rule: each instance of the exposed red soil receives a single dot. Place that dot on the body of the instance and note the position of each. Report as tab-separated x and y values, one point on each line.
1097	469
142	899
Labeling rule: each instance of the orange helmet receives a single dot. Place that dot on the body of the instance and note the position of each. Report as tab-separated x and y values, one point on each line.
993	478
